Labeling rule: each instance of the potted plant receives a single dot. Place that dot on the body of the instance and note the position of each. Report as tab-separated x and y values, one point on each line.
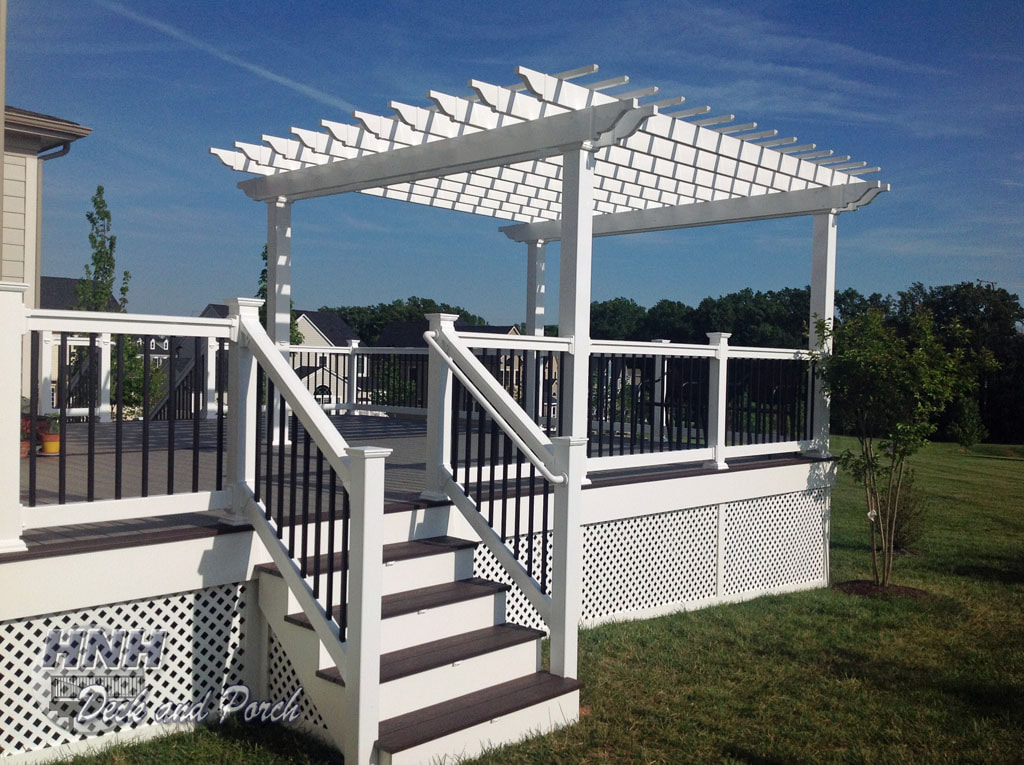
26	430
51	439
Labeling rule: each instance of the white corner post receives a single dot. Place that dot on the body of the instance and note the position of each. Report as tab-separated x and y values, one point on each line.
12	319
717	381
366	546
823	301
439	404
210	378
574	274
567	556
242	402
536	286
279	273
352	383
103	404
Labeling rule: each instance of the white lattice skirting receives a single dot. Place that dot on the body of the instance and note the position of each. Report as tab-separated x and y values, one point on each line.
654	564
202	652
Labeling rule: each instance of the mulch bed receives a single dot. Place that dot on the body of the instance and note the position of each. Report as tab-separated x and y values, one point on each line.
866	588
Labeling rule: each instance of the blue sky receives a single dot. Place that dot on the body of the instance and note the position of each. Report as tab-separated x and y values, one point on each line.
933	92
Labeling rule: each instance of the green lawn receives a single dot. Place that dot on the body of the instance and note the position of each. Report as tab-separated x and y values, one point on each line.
814	676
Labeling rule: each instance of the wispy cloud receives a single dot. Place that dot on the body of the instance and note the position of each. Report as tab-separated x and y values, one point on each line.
194	42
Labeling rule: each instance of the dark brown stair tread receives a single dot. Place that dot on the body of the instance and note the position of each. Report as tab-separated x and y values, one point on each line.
439	653
436	595
415	728
417	548
411	601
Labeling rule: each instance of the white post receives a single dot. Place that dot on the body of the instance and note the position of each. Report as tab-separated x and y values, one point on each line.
352	389
823	298
103	405
210	378
439	406
12	320
366	544
660	387
716	399
47	348
567	556
279	273
535	292
242	403
574	285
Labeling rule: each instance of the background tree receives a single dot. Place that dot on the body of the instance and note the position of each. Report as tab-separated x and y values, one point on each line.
617	319
369	320
892	388
95	290
294	334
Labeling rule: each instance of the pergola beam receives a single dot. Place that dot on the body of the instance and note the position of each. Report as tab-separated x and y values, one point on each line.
525	141
847	197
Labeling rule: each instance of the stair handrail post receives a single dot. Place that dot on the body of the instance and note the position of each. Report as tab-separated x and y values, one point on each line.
242	408
439	405
366	550
567	555
717	381
12	320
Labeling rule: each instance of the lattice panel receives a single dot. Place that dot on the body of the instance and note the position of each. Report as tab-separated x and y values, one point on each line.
282	682
518	609
202	652
649	561
774	541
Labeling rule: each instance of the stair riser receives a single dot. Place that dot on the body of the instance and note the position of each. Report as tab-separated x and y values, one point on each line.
540	718
423	689
445	621
413	573
400	526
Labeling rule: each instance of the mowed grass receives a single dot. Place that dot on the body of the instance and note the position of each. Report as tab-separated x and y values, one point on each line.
818	676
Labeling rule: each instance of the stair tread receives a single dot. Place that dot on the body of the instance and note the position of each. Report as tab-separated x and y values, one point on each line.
415	728
416	548
412	601
439	653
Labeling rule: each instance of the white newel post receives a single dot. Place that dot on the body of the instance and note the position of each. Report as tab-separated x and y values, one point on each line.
352	388
823	300
103	405
660	388
439	404
567	556
210	378
242	402
574	285
366	545
12	321
716	398
535	292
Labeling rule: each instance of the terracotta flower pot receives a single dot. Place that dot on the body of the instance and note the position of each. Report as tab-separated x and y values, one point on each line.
24	449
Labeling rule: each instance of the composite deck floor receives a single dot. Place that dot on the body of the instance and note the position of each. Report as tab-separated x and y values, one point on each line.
404	474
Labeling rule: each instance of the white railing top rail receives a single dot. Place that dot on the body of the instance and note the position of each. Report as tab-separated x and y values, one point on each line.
636	348
385	351
302	402
338	349
45	319
515	342
746	352
496	401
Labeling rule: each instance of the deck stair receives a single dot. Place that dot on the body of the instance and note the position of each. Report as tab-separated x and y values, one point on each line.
455	678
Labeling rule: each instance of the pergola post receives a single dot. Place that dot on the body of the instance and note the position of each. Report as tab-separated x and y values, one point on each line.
536	254
823	292
279	273
574	273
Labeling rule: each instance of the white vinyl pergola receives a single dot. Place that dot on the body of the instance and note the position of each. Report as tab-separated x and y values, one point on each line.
565	158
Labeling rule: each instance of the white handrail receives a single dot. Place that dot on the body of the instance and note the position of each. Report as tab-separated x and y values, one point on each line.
302	402
127	323
535	452
515	342
650	349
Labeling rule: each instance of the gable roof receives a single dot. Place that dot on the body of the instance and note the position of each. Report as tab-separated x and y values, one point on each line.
60	293
337	331
214	311
409	333
40	131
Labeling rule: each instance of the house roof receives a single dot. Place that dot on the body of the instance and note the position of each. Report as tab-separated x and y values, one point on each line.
214	311
498	151
61	293
409	333
330	325
41	132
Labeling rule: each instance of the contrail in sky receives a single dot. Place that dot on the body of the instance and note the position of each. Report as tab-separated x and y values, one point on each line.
259	71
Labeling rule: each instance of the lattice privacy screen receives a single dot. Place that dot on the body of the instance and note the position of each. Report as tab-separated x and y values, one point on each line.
202	651
653	561
282	682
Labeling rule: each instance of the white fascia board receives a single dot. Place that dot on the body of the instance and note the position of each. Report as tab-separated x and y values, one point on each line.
535	139
788	204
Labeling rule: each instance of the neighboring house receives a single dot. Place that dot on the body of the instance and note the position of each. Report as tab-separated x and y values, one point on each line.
61	293
325	328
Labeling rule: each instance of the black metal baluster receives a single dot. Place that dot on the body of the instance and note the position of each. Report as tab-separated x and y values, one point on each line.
306	440
146	381
62	405
332	518
544	540
282	425
172	415
506	456
453	424
493	465
268	499
33	411
198	385
220	384
257	493
292	485
318	519
93	394
346	514
480	437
